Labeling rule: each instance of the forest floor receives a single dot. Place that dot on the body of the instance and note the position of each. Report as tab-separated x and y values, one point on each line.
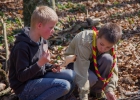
123	12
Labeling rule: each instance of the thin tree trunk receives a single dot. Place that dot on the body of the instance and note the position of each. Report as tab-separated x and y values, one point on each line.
53	5
28	8
6	45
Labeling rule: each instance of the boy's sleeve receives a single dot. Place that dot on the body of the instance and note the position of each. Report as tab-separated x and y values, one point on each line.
113	81
81	47
81	67
24	72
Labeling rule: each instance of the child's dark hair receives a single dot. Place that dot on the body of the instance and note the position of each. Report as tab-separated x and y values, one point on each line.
111	32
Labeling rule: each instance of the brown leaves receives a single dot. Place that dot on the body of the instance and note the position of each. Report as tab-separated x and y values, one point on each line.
124	12
129	64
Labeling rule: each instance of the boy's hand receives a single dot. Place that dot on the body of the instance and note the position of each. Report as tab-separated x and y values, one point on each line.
110	96
45	58
56	69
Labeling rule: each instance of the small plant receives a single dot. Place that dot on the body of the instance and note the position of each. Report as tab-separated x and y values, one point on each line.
11	39
115	15
60	48
79	7
58	58
72	7
130	21
61	6
115	2
102	1
139	13
1	14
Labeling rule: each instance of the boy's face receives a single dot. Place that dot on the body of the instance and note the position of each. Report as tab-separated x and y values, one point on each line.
103	45
47	30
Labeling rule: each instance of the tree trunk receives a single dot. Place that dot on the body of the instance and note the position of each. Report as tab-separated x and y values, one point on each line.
29	6
53	5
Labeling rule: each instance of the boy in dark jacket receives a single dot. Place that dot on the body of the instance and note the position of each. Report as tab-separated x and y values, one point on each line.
30	58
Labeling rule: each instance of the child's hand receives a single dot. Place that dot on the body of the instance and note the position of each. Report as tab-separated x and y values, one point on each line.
110	96
56	69
45	58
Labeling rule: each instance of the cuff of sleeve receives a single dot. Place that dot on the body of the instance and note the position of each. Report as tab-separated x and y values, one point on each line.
38	65
109	89
83	94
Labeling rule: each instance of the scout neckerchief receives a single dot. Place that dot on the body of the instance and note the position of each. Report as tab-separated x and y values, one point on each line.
95	61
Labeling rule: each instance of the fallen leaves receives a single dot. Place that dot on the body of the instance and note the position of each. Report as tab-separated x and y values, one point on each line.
124	12
129	65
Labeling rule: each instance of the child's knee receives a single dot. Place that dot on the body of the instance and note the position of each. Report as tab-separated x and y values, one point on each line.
107	59
70	74
92	78
66	87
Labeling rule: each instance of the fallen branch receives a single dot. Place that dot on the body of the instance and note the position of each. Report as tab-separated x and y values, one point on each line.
89	23
3	77
132	93
134	98
72	27
6	91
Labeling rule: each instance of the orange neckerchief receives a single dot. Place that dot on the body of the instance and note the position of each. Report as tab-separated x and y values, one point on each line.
95	61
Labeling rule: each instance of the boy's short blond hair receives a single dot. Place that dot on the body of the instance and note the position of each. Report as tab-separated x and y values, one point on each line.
43	14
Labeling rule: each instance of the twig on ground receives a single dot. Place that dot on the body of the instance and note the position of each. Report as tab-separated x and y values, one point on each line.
6	91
